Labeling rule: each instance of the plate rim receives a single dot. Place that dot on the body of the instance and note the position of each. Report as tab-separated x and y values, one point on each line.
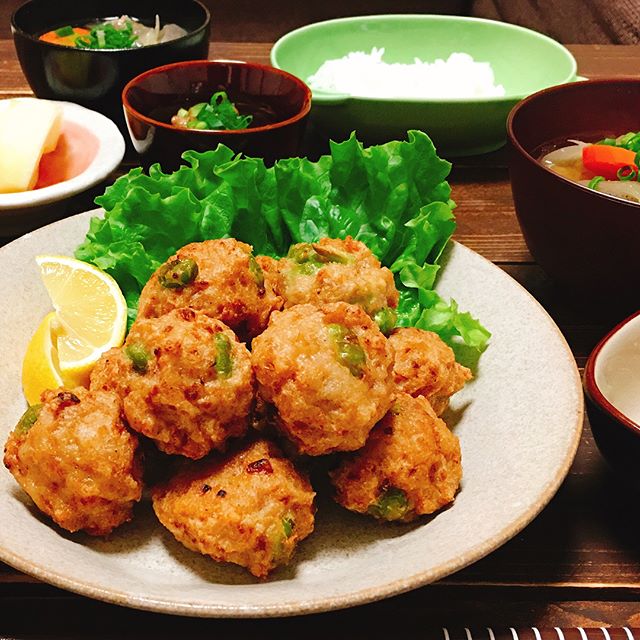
363	596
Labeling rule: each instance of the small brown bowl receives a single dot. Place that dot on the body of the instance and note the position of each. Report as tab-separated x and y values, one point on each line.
153	97
583	239
612	388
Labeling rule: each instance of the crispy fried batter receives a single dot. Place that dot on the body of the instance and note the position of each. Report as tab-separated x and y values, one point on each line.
323	404
333	270
425	366
180	398
78	461
411	465
111	372
230	286
250	507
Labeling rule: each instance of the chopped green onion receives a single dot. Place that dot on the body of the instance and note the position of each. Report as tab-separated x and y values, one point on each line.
629	141
63	32
28	419
218	113
194	111
627	173
106	36
594	182
224	363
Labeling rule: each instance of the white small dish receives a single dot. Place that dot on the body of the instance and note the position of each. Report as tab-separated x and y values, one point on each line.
24	211
616	369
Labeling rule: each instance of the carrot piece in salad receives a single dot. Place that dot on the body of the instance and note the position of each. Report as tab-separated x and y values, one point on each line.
605	160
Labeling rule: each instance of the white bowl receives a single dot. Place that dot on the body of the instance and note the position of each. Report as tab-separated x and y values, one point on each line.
24	211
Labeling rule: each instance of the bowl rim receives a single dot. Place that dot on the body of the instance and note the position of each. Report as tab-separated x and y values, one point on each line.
15	29
324	97
570	86
108	157
592	390
302	112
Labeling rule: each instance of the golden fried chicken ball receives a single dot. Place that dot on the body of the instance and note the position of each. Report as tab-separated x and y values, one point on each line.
77	461
222	278
111	372
328	371
425	366
410	465
250	507
189	385
333	270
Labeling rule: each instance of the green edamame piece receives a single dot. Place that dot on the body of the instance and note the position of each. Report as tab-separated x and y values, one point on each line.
348	349
317	255
224	362
386	320
178	273
257	273
139	356
28	418
391	505
288	524
326	254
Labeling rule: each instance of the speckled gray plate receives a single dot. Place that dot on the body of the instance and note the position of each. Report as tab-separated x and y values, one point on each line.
519	424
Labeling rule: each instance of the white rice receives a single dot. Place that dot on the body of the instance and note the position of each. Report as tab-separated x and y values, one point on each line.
366	75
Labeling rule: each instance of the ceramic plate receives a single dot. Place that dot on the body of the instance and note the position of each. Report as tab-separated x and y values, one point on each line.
519	423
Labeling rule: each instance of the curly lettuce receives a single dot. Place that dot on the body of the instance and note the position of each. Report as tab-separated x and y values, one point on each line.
393	197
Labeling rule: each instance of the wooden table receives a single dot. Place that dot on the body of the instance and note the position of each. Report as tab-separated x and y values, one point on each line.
577	564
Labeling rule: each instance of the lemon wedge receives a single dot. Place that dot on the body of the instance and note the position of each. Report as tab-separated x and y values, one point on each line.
40	368
90	317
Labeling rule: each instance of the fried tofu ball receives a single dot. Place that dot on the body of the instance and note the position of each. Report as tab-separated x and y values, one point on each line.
189	385
333	270
77	461
250	507
222	278
410	466
425	366
328	371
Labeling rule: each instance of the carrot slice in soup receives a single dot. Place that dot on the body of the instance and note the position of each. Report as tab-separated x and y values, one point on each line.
605	160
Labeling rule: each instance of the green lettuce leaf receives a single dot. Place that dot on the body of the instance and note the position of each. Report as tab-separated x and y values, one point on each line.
393	197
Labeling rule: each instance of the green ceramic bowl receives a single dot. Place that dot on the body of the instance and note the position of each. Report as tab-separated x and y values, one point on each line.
523	61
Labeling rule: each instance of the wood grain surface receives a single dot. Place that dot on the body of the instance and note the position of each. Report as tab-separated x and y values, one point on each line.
577	564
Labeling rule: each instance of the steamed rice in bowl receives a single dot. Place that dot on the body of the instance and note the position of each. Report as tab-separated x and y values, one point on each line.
367	75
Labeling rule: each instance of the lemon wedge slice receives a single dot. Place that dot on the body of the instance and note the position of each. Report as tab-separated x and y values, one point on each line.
40	368
90	316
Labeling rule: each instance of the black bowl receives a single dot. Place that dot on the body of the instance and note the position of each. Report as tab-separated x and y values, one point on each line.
95	78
